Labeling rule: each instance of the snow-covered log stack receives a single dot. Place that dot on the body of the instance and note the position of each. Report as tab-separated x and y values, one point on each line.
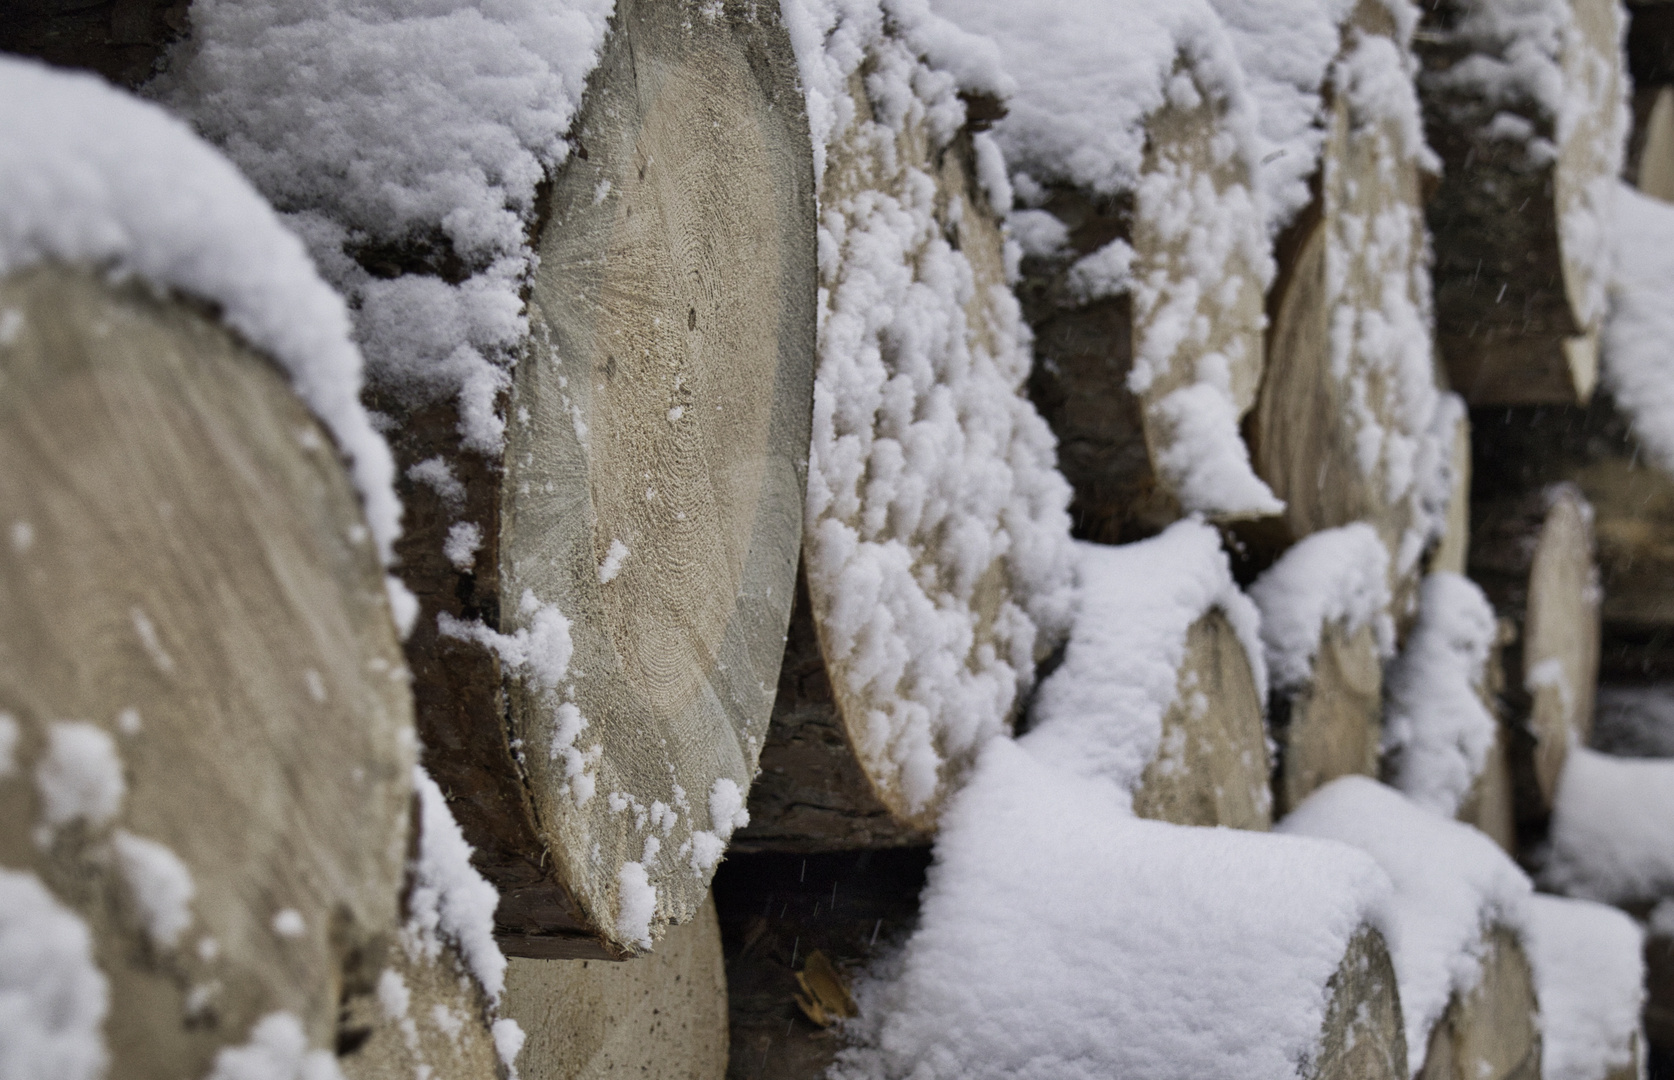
206	745
1525	103
604	483
1145	260
937	558
1535	561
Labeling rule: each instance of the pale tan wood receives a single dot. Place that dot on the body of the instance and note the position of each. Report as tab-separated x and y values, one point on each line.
1212	766
1332	726
1109	438
650	488
1451	554
663	1016
1493	1032
1656	160
1363	1037
1490	805
1512	322
186	571
1306	432
443	1032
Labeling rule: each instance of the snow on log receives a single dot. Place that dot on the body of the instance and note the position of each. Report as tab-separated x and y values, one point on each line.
663	1016
1162	683
937	550
593	356
1131	144
1610	829
1325	632
436	1002
1040	871
207	729
1589	974
1535	561
1454	923
1526	104
1349	424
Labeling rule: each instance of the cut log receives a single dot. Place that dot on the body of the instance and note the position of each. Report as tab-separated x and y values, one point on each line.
1363	1035
1211	766
1653	171
1326	630
937	556
1659	988
1349	424
604	605
1491	803
664	1016
1530	150
1650	57
428	1018
1161	687
1492	1032
1535	561
208	723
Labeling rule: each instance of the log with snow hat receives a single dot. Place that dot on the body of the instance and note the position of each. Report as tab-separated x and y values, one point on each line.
1060	935
579	241
1349	424
1457	926
1534	558
1133	153
937	560
1162	685
1525	104
206	739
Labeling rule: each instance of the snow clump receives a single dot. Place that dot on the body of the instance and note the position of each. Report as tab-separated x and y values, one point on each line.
1612	835
1335	577
1589	973
53	998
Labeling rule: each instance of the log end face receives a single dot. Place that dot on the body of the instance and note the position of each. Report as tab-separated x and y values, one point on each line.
1334	726
1363	1037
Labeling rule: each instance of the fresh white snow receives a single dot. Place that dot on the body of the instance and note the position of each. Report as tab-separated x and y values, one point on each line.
1335	577
159	883
277	1049
1589	973
80	776
1452	885
1612	833
53	998
448	899
1100	713
1638	363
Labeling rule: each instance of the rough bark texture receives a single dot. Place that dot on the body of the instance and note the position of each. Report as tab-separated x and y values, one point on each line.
812	794
1510	323
660	413
1491	1033
774	910
1332	726
663	1016
1109	436
1306	430
188	572
126	41
1363	1038
1534	558
1211	767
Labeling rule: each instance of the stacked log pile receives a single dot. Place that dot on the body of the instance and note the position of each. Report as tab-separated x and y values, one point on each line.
862	539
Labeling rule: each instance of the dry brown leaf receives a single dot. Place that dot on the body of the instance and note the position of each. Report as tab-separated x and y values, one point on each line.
828	997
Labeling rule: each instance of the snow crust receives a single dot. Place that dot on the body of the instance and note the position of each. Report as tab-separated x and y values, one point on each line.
1612	834
386	122
448	899
1334	577
1101	713
931	477
90	176
1452	885
1062	937
53	998
1438	729
1589	973
1638	364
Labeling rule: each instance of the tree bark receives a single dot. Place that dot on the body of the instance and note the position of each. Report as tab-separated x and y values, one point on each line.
650	491
194	609
1517	304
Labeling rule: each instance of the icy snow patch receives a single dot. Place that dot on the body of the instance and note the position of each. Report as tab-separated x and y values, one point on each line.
1062	937
1101	713
1437	727
91	176
1334	577
160	884
1589	974
448	898
1612	835
1452	885
53	998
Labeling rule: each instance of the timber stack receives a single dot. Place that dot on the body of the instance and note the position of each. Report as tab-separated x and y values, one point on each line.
766	540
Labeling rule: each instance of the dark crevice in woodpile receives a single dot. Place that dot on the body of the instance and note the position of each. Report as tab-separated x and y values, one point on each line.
776	910
126	41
